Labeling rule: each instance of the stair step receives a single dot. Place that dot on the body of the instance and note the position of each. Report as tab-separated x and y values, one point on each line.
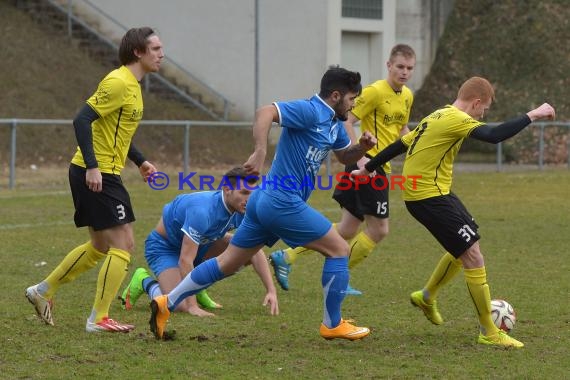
44	13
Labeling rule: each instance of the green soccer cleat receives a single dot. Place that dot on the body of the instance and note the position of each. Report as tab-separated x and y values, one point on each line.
134	290
500	339
429	309
205	301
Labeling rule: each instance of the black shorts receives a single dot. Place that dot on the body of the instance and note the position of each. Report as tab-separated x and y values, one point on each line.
109	208
368	199
448	221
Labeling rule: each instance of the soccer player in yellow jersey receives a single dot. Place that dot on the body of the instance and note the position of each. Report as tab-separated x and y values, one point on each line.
430	151
383	109
104	129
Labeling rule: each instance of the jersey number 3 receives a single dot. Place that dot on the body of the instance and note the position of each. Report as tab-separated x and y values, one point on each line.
121	212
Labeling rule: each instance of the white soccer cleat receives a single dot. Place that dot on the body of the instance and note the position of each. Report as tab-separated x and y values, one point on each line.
42	305
108	325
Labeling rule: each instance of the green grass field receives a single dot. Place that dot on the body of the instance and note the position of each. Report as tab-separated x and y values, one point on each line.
524	226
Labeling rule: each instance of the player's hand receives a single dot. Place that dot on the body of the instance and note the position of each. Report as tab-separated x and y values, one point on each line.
367	141
271	300
545	111
254	164
360	164
94	180
146	169
356	175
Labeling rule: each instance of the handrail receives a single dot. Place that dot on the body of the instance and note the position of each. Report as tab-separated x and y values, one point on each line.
174	63
187	124
72	17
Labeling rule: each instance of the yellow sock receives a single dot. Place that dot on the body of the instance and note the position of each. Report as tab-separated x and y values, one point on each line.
477	285
291	253
77	261
360	248
444	272
110	278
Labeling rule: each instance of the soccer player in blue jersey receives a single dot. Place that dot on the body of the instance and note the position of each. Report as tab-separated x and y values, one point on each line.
278	209
194	227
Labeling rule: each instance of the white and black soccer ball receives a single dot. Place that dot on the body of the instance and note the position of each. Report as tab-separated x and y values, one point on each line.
503	315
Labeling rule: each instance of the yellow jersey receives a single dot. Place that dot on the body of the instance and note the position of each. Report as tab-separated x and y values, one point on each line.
383	112
118	102
432	147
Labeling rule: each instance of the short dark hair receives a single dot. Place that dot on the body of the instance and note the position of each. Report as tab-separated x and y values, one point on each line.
238	173
134	39
341	80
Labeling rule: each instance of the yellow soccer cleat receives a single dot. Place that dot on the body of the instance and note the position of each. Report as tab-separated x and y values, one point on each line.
429	309
500	339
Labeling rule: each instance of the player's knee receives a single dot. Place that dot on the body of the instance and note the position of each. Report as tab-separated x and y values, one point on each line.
377	232
472	257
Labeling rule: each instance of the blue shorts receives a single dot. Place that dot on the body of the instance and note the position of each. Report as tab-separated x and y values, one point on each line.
268	219
161	255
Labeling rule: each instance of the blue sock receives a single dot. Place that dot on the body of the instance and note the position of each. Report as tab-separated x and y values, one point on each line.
335	280
199	278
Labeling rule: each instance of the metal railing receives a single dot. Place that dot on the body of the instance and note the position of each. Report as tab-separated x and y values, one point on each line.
187	124
73	18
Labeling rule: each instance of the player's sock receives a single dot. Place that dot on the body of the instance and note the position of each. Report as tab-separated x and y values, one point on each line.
292	253
110	278
334	280
199	278
151	287
77	261
477	285
445	271
360	248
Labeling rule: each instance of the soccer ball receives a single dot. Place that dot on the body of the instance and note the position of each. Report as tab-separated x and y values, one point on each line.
503	315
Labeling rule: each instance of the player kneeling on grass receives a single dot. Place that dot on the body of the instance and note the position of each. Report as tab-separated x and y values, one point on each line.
430	151
193	228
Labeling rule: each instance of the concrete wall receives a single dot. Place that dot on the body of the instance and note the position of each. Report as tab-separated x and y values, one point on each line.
419	24
297	40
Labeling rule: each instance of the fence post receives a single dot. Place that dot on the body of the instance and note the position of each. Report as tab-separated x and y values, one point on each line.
186	148
12	182
541	148
69	17
499	156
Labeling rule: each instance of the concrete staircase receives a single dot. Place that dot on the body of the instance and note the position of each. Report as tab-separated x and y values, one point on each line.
172	82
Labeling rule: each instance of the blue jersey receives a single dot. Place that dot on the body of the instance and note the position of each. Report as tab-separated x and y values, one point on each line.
203	217
310	131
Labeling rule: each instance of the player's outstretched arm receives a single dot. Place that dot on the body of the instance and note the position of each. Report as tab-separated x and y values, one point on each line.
354	152
510	128
264	118
261	267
